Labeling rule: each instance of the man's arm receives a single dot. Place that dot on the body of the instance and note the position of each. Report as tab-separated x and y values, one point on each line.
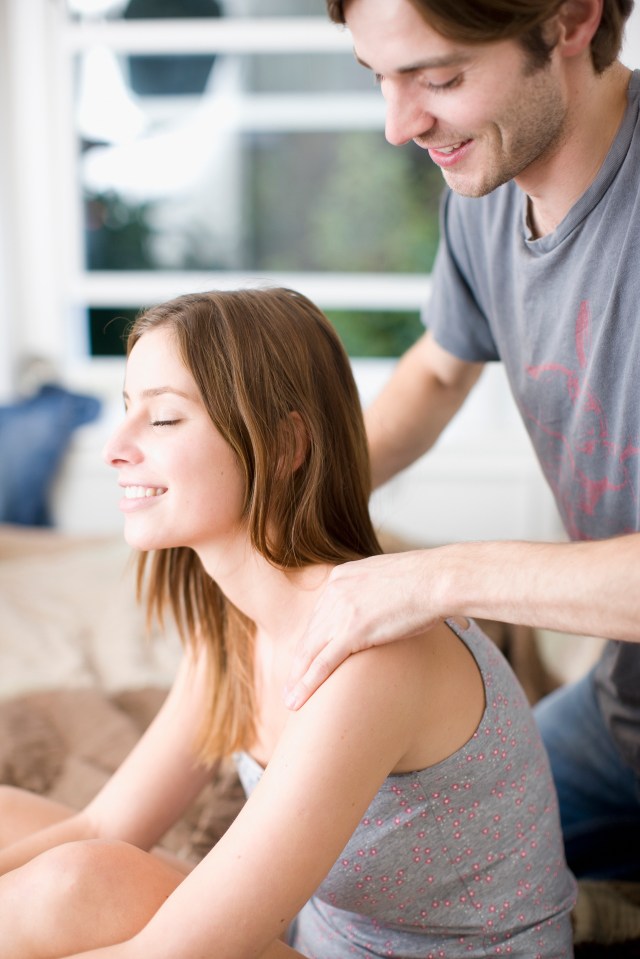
427	388
584	588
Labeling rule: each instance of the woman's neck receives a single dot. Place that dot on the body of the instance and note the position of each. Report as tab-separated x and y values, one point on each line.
278	601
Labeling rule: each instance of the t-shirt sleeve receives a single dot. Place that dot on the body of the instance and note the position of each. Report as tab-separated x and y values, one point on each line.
454	314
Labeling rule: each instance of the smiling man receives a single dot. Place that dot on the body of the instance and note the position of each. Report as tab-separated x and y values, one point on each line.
535	125
484	113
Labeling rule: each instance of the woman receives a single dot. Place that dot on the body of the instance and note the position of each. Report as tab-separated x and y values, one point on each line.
405	810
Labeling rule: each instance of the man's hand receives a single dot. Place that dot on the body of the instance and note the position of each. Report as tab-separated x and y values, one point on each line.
365	603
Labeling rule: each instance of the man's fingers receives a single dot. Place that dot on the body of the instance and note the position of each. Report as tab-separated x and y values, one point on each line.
313	676
358	608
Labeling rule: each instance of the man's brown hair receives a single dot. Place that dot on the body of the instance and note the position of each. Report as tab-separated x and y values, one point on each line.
487	21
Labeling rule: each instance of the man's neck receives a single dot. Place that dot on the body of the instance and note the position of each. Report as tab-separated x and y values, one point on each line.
556	182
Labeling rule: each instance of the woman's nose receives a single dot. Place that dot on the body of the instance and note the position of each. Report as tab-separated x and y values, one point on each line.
406	117
121	447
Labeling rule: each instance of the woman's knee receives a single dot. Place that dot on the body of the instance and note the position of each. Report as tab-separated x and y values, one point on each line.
102	872
92	893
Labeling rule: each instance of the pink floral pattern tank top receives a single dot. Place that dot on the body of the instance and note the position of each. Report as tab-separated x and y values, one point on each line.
460	860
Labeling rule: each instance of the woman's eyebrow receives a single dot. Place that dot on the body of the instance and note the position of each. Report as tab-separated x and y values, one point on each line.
160	391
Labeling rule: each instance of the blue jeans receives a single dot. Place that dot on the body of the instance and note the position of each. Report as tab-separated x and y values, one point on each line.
599	794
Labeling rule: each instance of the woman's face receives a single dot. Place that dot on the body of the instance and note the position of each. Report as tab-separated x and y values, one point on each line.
182	484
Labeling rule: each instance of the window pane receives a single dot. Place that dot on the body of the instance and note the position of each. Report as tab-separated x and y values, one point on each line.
363	333
144	80
256	163
366	334
268	201
147	9
108	330
240	163
318	73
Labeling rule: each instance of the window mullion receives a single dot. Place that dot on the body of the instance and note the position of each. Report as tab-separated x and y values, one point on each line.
224	35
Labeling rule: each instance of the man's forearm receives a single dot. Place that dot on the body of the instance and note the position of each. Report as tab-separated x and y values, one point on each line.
590	589
584	588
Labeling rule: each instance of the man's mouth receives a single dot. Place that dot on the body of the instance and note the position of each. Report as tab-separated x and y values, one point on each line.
446	150
450	154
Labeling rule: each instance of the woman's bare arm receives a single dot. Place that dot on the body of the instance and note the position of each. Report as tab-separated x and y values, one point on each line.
328	765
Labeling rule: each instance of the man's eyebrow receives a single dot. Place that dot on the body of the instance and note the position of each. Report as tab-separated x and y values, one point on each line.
160	391
430	63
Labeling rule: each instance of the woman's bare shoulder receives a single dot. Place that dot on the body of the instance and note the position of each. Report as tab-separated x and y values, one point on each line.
429	685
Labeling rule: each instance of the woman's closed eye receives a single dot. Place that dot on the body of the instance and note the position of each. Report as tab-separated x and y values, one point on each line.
164	422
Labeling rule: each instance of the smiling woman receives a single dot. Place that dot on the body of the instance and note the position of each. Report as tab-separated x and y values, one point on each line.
167	453
372	822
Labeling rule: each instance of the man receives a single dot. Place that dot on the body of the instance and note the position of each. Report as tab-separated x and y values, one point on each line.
535	125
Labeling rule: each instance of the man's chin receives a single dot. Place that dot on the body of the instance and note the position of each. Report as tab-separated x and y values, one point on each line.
465	186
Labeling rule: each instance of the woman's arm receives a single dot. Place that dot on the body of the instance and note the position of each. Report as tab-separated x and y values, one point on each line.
277	950
149	791
328	765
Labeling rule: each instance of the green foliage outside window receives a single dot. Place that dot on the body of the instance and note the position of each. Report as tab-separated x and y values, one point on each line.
347	202
336	202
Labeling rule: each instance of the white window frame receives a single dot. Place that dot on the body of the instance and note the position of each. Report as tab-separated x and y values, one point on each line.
48	277
41	274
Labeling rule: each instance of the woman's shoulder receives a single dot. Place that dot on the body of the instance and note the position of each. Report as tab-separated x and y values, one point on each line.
410	660
427	688
426	658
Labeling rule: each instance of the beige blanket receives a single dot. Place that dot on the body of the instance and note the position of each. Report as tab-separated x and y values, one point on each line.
80	679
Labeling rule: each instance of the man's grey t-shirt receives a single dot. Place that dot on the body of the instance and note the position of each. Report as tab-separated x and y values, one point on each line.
563	315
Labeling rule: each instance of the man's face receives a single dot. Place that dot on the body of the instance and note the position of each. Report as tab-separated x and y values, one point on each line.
482	111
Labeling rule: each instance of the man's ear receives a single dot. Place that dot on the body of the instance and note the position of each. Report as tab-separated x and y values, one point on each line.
577	22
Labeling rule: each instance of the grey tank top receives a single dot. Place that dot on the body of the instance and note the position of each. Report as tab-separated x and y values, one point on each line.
462	859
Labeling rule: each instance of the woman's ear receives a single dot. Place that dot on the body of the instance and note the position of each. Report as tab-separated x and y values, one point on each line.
294	439
577	22
301	439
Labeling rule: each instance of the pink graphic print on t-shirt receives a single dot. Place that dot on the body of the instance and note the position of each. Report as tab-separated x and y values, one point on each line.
586	464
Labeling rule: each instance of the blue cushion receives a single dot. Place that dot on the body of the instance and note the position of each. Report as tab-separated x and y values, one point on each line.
34	435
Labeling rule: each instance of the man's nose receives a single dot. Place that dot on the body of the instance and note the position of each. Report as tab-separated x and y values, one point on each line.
406	118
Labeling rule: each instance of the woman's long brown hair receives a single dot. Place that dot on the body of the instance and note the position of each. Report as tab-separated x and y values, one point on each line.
258	356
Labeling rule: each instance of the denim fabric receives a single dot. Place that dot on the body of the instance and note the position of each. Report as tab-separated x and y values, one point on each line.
598	792
34	435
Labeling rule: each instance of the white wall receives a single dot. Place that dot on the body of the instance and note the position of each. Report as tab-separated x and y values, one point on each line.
631	49
6	304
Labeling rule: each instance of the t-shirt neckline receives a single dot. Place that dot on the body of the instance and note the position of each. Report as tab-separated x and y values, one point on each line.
600	185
